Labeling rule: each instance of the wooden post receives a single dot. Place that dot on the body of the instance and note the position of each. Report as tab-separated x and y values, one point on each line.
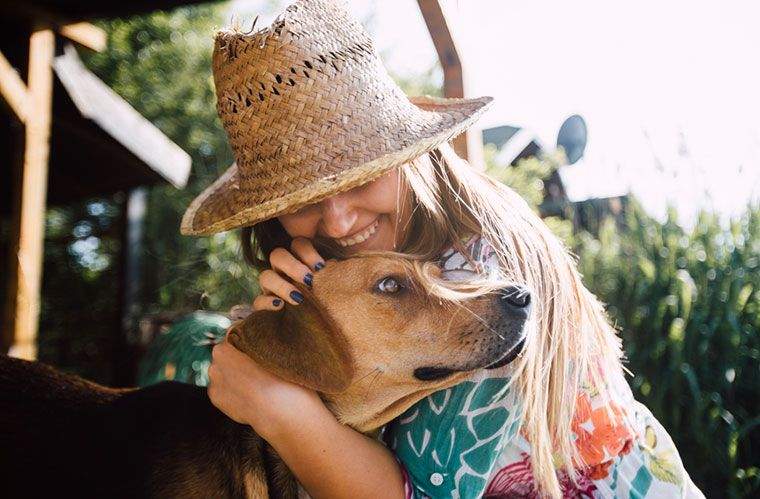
85	34
468	145
125	352
24	288
12	89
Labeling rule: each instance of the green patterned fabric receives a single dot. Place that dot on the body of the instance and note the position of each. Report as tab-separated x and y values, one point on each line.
183	352
462	428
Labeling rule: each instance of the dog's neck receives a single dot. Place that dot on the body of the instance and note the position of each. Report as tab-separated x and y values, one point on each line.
367	410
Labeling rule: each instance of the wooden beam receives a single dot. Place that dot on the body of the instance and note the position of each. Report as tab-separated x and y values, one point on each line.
10	281
83	33
12	89
448	55
469	144
86	35
24	292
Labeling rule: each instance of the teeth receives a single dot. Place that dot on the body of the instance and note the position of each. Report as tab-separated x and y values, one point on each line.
359	238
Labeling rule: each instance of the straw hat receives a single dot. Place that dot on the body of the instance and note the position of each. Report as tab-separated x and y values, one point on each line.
310	111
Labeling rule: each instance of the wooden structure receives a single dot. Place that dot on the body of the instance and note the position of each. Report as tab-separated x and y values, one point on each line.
469	144
64	135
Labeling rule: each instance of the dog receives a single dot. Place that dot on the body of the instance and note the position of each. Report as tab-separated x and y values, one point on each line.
370	338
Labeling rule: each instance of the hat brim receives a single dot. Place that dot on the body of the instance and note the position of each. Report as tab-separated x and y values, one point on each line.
201	219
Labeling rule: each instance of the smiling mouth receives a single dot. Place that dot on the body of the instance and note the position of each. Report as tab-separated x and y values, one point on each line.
361	236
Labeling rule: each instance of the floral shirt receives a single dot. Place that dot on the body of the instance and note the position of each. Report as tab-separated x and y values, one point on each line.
465	441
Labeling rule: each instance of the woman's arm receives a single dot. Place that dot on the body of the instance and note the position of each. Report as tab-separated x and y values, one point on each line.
328	458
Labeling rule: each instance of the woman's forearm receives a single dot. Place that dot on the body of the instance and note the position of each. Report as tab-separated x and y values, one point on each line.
331	460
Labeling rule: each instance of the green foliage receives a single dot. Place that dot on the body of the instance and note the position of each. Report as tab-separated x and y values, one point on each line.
425	83
687	304
161	64
527	179
688	307
79	311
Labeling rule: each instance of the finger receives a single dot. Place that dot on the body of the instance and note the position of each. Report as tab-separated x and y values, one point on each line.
267	302
213	376
305	251
285	263
218	351
272	283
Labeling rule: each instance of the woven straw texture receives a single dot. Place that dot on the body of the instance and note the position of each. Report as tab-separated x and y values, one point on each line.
310	111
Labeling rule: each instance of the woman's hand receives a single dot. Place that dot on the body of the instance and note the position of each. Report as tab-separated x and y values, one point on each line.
249	394
329	459
238	386
296	265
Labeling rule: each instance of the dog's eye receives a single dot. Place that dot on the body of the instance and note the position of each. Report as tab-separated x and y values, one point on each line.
389	285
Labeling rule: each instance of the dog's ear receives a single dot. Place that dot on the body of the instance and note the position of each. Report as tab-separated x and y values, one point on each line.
299	344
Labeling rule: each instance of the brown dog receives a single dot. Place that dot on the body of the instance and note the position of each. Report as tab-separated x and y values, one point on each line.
369	337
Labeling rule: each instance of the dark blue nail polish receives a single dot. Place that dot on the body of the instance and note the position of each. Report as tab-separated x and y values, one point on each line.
319	266
297	297
308	279
276	302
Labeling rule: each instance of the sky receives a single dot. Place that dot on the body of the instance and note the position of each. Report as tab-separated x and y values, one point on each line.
670	90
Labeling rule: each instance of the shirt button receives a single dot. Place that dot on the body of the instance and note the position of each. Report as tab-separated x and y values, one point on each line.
436	479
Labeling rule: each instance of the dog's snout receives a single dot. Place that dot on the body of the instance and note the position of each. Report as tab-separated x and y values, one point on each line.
515	298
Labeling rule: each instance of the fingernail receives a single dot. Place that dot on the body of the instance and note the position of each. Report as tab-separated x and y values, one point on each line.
297	297
308	279
276	302
319	266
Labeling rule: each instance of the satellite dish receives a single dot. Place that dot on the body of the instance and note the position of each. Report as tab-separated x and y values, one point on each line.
572	137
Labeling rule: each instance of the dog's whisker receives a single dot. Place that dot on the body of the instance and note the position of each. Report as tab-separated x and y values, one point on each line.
481	320
377	372
375	378
370	373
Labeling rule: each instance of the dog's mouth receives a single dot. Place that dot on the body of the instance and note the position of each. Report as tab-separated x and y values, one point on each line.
433	373
438	373
509	356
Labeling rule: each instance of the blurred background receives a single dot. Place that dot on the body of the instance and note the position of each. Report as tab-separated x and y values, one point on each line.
632	129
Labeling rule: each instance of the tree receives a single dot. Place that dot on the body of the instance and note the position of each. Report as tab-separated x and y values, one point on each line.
161	64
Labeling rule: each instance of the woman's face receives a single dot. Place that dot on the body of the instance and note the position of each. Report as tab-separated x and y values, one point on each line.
369	217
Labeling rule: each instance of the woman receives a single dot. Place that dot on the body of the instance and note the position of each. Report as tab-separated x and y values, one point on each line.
333	159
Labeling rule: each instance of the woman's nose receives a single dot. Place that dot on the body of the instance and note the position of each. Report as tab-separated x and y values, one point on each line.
337	216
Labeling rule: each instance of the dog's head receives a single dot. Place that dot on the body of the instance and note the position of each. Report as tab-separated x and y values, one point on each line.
374	340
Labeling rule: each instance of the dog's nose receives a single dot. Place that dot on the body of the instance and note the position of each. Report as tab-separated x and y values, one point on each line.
515	298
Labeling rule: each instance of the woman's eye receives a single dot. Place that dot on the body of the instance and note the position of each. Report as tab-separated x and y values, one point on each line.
389	285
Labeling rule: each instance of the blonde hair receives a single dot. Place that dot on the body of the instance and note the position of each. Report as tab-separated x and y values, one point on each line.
573	342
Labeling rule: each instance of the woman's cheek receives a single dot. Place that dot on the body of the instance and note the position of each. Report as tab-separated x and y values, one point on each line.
301	224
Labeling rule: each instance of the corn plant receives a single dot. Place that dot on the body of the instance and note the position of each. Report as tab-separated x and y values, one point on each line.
688	307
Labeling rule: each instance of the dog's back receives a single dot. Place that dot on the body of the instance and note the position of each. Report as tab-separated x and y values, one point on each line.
42	419
60	434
